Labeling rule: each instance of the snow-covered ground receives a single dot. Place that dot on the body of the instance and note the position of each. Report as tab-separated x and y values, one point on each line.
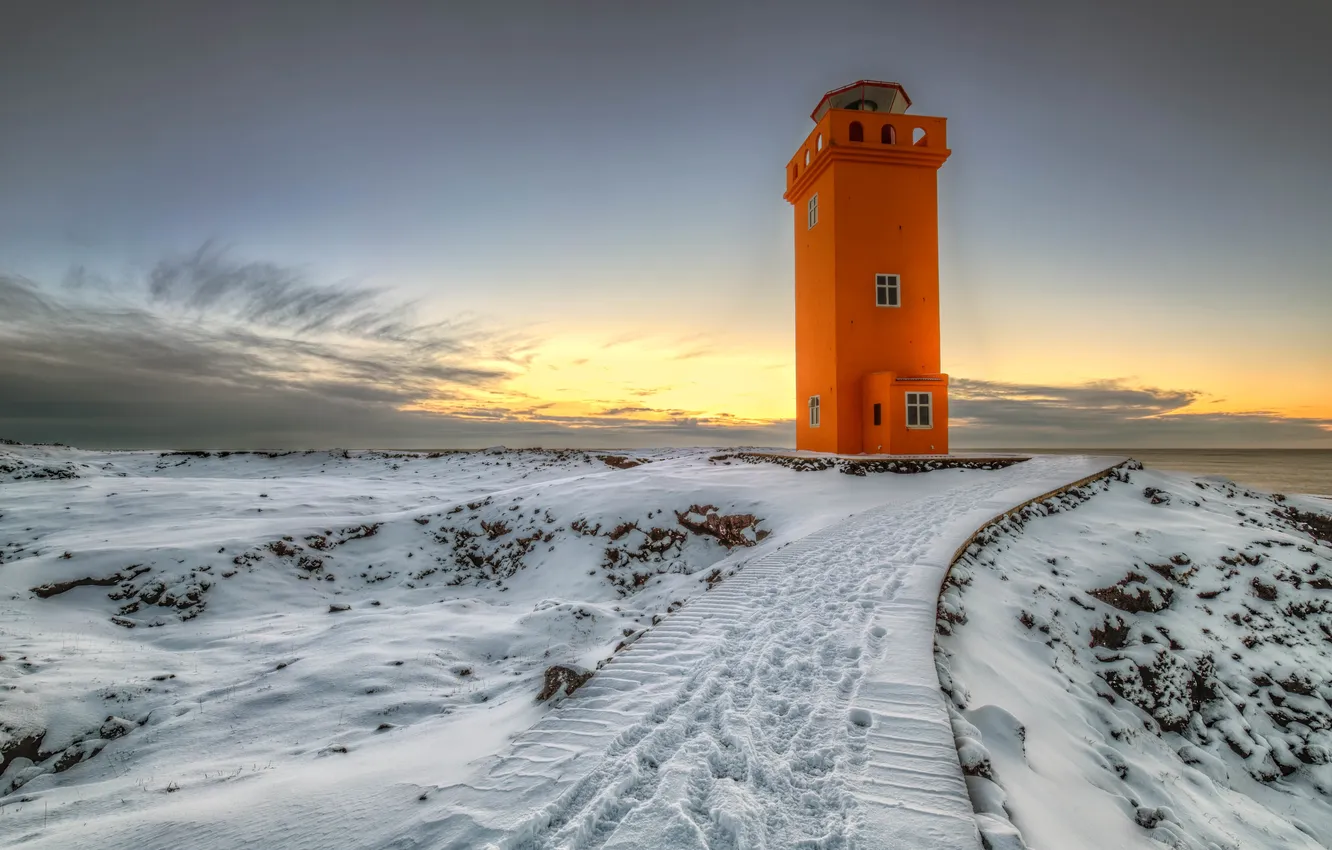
277	648
344	650
1147	661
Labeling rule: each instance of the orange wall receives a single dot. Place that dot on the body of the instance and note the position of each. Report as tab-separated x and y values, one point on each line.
878	213
892	434
878	387
816	370
921	441
887	223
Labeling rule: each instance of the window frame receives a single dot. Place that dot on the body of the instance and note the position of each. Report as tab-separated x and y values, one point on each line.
815	411
812	211
916	407
881	285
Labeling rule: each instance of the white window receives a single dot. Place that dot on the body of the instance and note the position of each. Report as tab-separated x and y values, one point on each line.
813	411
813	210
887	290
918	410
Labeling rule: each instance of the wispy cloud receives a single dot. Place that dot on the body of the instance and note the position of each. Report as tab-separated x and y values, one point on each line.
207	350
694	353
1114	413
204	331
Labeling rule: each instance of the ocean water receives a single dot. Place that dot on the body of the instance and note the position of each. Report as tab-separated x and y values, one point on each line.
1274	470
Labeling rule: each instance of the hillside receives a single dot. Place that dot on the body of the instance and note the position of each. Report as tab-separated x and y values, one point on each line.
189	635
313	649
1147	661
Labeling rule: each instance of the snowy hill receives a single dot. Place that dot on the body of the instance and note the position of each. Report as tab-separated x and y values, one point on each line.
183	632
1147	661
310	649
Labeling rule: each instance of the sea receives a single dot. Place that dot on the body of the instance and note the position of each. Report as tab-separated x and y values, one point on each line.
1307	471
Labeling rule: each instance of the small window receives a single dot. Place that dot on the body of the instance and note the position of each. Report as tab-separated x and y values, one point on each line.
818	143
918	410
812	212
813	411
806	156
888	135
887	290
878	413
857	133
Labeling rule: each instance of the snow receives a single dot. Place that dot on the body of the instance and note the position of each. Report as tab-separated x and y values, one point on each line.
307	650
322	649
1144	662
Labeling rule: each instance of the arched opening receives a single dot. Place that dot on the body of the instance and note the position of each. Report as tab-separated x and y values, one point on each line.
818	143
888	135
795	172
857	132
918	136
807	156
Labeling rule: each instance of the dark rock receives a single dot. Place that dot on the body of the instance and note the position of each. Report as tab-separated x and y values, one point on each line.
559	677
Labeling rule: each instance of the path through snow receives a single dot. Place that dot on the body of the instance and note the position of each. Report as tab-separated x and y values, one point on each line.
795	706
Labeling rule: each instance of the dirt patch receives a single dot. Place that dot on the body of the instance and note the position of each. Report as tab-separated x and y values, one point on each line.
1171	687
283	548
622	529
1133	594
1111	635
560	677
620	461
729	531
361	531
655	548
46	591
1264	591
1316	525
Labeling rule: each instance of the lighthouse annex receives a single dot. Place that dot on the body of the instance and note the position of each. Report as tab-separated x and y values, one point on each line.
865	195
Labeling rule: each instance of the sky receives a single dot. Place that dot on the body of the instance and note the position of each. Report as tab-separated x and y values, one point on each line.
432	225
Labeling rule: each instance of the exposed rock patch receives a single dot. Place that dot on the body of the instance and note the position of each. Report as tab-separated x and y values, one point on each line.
46	591
559	677
859	466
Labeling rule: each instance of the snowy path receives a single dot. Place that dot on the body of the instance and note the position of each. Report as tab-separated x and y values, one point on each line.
794	706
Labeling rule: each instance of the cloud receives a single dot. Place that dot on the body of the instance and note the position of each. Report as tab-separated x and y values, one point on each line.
1113	414
208	351
204	340
243	325
694	353
625	411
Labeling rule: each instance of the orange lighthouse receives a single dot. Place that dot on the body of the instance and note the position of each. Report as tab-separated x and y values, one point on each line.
865	193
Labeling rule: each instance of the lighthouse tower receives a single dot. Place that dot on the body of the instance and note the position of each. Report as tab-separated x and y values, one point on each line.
865	194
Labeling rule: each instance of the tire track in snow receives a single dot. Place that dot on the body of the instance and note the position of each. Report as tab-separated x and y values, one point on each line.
794	706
